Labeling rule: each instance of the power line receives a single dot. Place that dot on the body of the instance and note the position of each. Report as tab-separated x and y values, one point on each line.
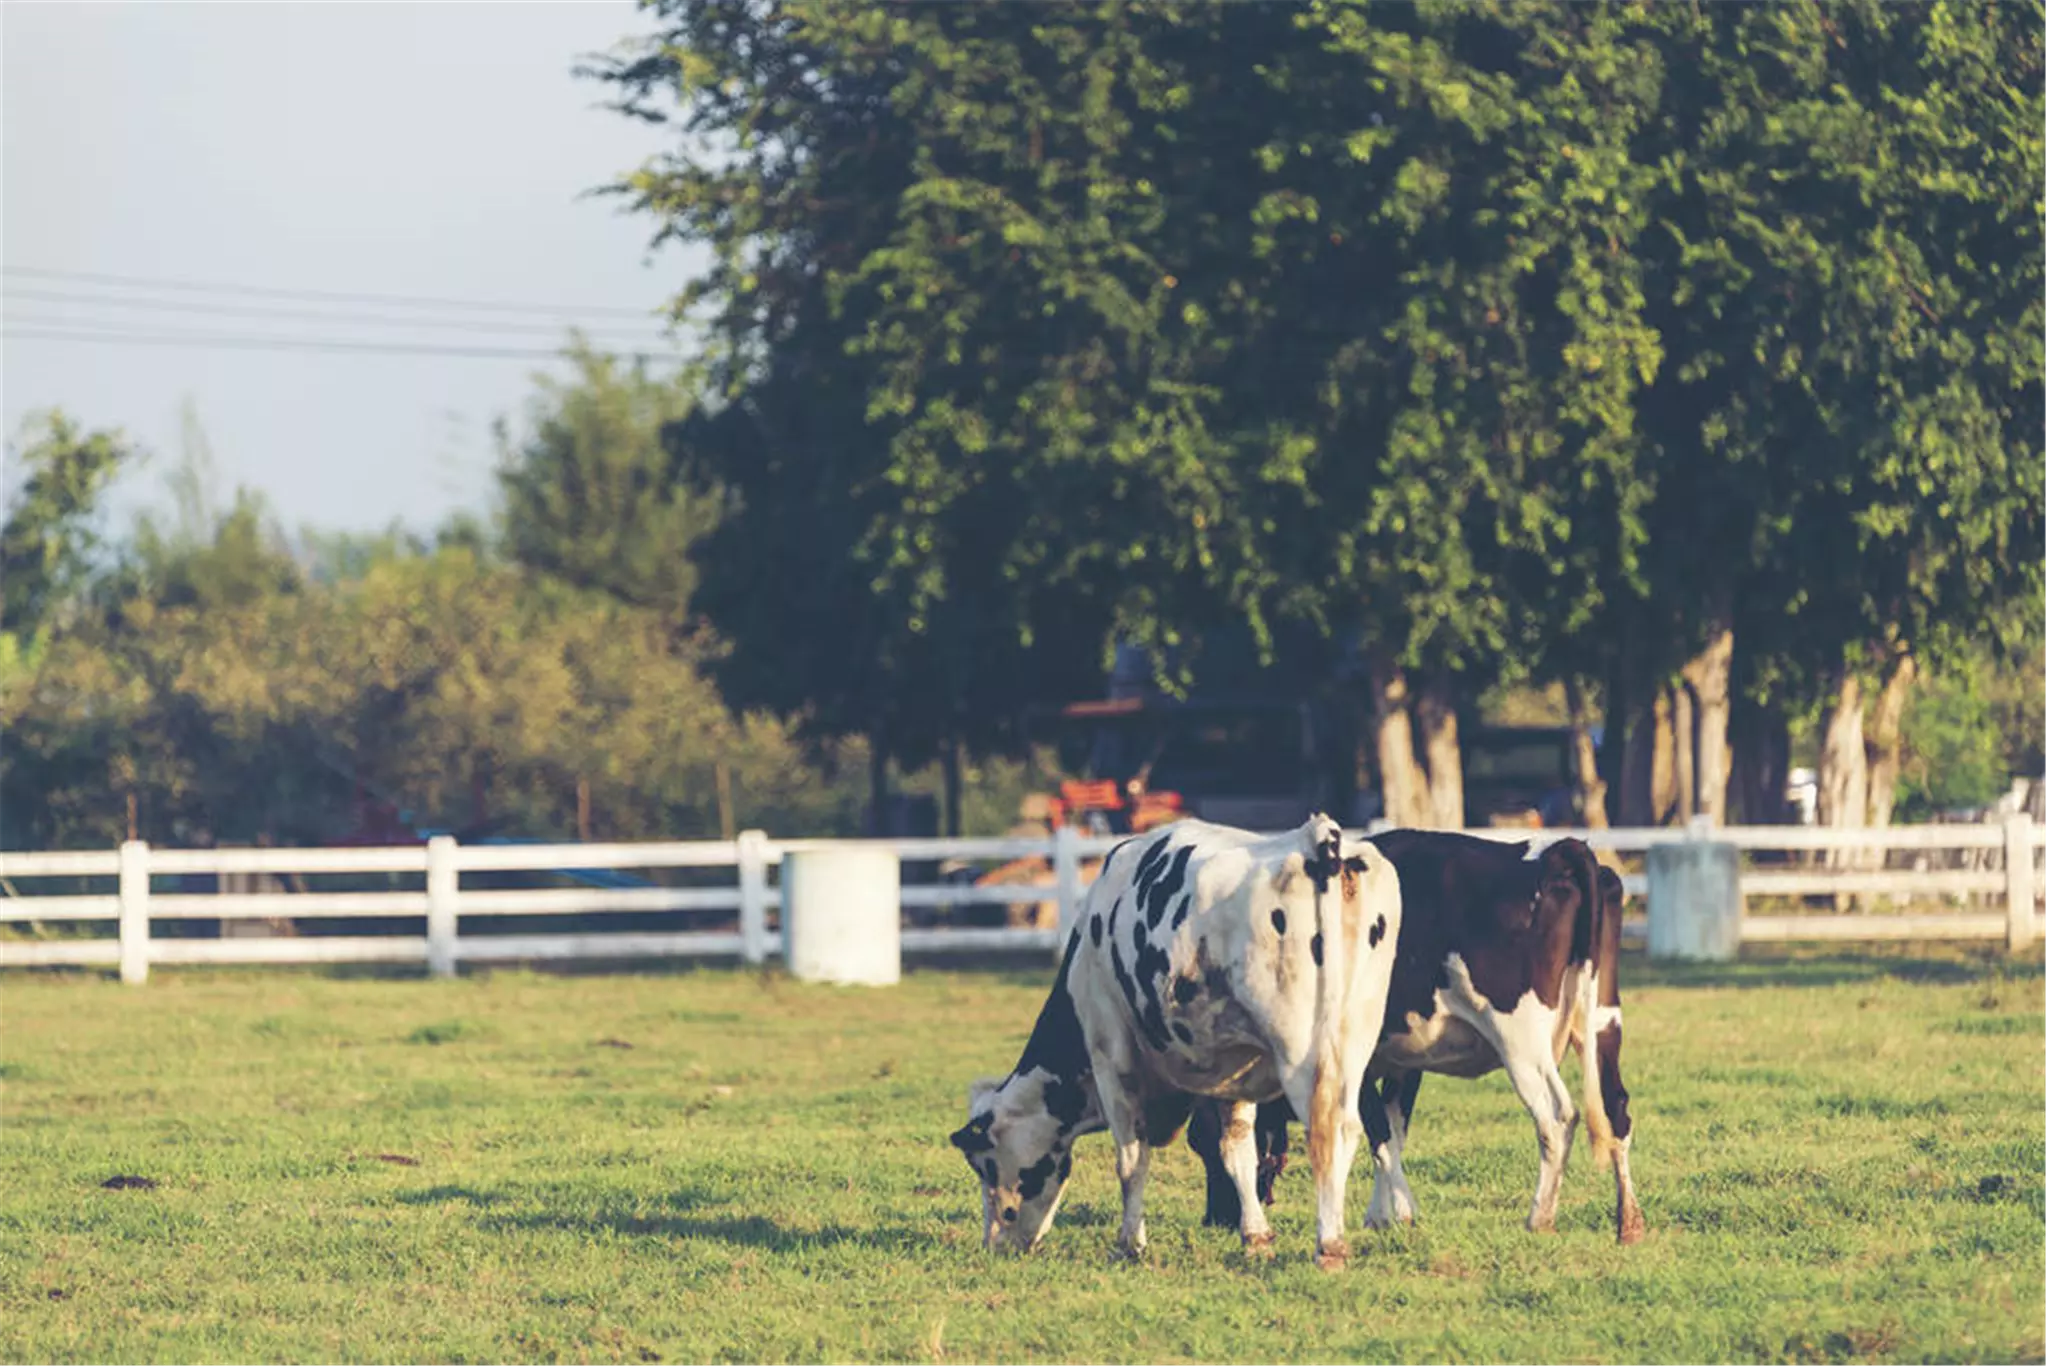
289	315
203	341
330	296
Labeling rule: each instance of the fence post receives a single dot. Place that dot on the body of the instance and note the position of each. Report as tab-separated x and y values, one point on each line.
752	853
134	897
443	887
1065	867
2018	883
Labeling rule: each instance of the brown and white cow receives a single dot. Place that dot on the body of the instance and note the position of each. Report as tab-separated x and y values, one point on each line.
1507	956
1207	962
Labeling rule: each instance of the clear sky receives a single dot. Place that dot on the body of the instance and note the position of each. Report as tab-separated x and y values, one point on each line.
414	150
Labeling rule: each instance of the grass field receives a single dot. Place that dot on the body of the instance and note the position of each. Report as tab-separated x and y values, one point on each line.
1839	1157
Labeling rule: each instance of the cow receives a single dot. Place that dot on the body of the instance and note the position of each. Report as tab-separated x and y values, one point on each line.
1206	962
1507	955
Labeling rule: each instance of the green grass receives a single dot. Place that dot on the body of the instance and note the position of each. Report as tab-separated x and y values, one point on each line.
1839	1158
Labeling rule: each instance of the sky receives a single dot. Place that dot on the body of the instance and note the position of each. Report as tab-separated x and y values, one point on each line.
276	151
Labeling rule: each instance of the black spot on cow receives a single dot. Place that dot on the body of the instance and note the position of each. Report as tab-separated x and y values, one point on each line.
1354	863
991	1173
1114	907
1314	947
1094	929
1377	931
1185	989
1148	866
1065	1168
1009	1216
1123	978
1181	1032
1279	921
1185	905
1030	1182
1152	967
1326	863
1066	1102
1159	895
1139	937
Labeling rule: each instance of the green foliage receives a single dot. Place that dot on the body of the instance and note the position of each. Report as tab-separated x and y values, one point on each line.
589	497
763	1176
49	539
1519	341
1954	756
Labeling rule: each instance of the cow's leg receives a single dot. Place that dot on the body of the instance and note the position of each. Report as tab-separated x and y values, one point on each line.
1124	1114
1204	1136
1385	1112
1334	1133
1626	1209
1239	1156
1272	1118
1526	1043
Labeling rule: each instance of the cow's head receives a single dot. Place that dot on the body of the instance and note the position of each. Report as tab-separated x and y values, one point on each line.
1019	1142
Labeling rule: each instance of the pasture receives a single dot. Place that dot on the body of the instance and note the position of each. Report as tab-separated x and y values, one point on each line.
1839	1157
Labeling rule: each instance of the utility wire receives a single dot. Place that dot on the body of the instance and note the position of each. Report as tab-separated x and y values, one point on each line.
291	315
203	341
331	296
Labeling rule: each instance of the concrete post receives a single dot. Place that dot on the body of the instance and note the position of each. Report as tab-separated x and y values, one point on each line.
841	915
1694	901
134	898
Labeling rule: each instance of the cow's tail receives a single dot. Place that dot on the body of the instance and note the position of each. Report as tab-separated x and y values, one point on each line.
1598	986
1329	1105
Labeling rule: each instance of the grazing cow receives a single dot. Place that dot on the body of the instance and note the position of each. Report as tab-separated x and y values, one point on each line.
1206	962
1506	956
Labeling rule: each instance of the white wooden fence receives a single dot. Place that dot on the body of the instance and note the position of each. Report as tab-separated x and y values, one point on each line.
1960	869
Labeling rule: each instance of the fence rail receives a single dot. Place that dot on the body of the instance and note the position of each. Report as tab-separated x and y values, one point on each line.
1997	861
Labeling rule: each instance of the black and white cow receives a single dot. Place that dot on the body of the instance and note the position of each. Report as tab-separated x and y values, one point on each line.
1507	955
1207	962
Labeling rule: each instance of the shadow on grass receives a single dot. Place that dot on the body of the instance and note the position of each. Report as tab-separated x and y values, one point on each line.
684	1214
1790	965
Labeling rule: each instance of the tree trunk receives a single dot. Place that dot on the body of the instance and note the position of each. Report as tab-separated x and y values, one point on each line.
1435	710
948	754
1885	739
1591	788
1708	679
1843	759
582	809
1683	750
1843	765
1400	779
1662	763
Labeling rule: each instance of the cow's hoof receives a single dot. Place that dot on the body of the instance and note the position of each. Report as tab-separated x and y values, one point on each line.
1536	1224
1125	1253
1332	1256
1633	1228
1258	1245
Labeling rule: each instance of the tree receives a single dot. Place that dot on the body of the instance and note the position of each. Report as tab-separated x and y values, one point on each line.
49	540
1843	445
588	493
